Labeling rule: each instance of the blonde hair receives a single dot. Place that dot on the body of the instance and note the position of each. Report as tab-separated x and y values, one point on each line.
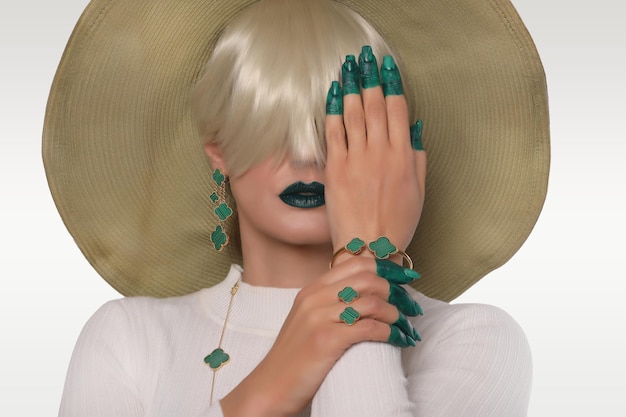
263	91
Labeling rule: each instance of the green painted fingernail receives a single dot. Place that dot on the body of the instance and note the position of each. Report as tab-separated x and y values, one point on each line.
407	328
392	83
398	338
368	68
350	76
416	335
334	101
411	273
403	301
416	136
405	325
394	272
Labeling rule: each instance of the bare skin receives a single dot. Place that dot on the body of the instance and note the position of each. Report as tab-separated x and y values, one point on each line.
375	186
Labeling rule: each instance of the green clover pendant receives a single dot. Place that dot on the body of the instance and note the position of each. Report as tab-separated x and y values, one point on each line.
217	359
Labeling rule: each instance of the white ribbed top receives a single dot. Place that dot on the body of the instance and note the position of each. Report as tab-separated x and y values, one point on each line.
143	357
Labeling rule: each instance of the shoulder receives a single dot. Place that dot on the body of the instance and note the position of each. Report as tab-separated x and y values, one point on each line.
141	317
476	354
466	322
135	308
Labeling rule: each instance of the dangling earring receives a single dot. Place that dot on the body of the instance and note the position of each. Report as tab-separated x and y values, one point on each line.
219	238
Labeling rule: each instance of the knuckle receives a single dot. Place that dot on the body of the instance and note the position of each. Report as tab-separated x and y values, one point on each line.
353	119
335	133
376	111
368	329
304	299
372	304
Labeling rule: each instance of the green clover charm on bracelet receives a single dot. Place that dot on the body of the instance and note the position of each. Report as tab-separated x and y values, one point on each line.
382	248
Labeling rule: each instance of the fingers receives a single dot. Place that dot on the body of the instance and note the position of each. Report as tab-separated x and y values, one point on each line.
374	107
396	105
399	331
420	154
354	118
373	113
381	278
335	133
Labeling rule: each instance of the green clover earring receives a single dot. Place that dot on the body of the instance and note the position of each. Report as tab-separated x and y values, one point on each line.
222	210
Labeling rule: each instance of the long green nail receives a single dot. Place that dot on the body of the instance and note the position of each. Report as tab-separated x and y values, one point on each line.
334	99
398	338
403	301
350	76
392	83
394	272
407	328
369	68
416	136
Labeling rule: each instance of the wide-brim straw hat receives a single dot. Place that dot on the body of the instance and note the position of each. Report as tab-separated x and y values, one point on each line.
132	183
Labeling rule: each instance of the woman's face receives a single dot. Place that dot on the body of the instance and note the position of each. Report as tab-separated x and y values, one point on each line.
282	202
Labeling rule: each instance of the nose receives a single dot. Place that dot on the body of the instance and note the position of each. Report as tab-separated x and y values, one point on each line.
309	169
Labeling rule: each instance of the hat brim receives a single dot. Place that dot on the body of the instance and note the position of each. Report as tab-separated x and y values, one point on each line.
131	181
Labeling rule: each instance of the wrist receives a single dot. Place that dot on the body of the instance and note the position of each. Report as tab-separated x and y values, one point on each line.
252	398
379	248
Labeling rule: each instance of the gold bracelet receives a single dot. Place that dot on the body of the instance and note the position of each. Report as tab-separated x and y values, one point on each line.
381	248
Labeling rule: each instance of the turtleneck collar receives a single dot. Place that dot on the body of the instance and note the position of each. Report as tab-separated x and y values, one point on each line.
256	309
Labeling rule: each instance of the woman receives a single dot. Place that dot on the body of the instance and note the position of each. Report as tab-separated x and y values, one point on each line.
306	171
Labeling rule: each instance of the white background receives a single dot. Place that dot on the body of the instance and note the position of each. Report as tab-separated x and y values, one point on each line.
565	286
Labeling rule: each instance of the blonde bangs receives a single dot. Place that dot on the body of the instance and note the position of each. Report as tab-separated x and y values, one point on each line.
263	92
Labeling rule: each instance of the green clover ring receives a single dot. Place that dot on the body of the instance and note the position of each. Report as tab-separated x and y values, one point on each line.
348	295
382	248
217	359
355	246
349	316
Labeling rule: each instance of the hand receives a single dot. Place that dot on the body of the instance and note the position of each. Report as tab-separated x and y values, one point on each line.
313	337
375	180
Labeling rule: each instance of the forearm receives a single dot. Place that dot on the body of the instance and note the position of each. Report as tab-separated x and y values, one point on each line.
368	380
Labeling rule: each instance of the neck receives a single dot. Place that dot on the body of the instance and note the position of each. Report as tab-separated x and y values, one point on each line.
284	265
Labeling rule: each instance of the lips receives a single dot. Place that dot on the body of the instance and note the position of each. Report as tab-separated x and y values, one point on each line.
302	195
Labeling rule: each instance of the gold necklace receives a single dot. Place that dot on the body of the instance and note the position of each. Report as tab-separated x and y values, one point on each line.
218	358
